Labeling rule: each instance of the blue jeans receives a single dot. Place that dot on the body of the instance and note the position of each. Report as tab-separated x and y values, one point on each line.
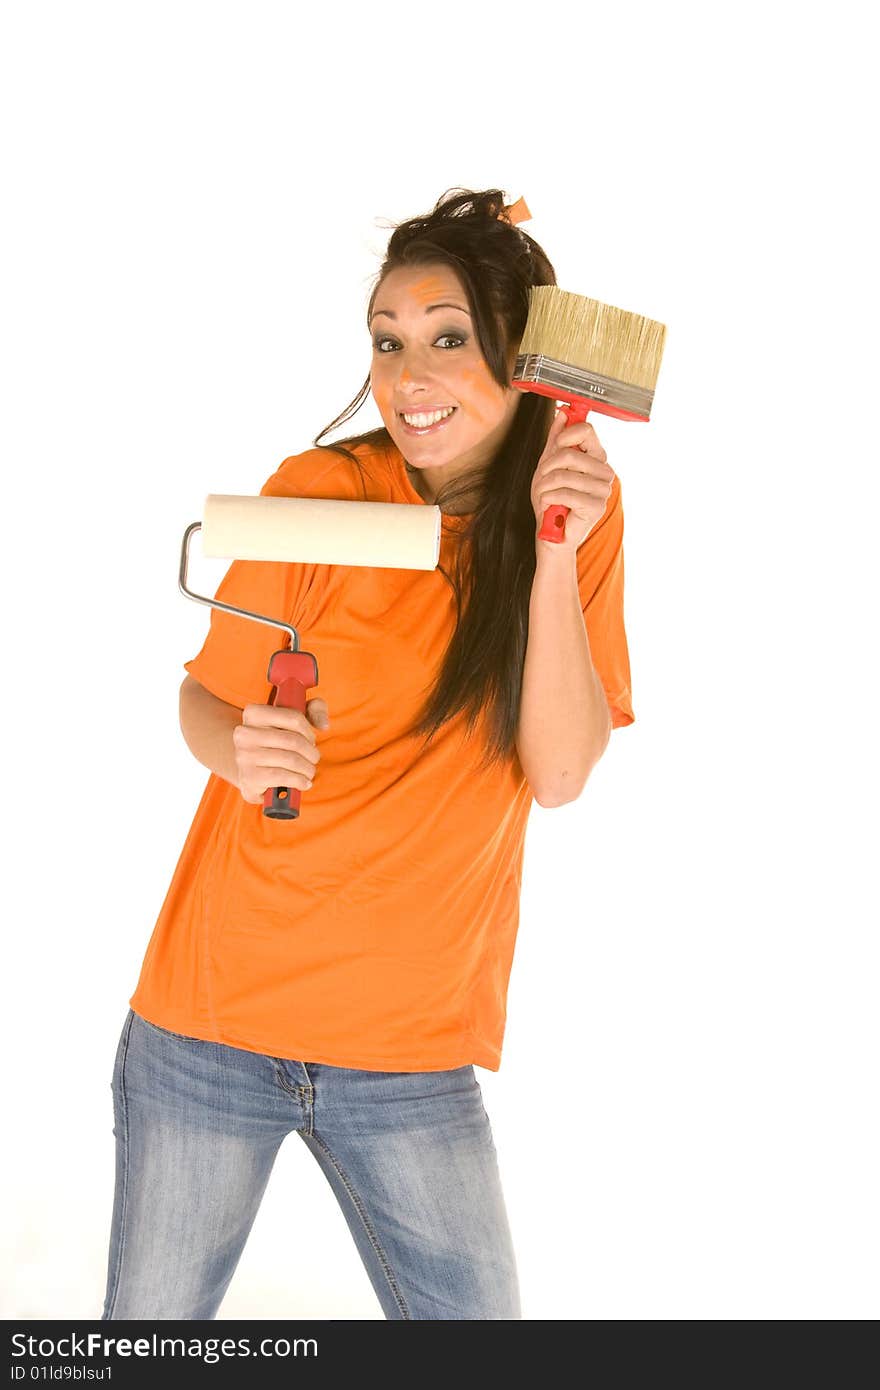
409	1156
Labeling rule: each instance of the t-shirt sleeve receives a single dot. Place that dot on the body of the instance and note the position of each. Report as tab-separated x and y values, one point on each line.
233	663
600	584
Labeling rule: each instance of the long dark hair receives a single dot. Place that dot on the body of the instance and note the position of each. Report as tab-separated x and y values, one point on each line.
496	262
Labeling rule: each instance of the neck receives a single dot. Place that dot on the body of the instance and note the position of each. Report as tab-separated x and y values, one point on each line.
461	503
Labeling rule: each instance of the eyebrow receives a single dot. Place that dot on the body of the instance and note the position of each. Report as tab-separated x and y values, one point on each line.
430	309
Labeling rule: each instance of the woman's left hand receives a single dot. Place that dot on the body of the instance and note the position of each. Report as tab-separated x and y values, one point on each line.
572	472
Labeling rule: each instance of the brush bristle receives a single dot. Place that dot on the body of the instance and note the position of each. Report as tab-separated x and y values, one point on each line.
593	336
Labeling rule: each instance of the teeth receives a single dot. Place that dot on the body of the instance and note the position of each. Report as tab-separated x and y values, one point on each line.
421	422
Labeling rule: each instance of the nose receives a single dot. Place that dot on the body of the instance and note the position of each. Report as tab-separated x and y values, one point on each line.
412	379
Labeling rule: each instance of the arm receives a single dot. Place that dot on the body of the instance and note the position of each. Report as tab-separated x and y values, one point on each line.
564	722
206	724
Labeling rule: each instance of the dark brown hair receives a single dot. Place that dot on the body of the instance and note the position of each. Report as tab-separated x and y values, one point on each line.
496	263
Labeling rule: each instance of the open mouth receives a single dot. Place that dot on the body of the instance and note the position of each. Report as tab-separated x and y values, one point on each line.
427	429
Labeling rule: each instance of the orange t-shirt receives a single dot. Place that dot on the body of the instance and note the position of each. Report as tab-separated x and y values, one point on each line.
376	931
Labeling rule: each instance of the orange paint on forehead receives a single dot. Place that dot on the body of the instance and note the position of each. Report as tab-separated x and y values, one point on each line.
425	290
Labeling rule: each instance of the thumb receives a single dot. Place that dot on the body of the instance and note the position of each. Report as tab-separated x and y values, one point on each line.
318	712
557	425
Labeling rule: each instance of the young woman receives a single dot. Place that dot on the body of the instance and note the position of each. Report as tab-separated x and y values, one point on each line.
339	976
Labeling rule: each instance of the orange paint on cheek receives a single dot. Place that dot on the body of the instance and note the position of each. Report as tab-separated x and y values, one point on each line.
483	385
382	396
481	381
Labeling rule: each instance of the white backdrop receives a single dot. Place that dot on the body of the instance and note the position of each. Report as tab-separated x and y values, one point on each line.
197	198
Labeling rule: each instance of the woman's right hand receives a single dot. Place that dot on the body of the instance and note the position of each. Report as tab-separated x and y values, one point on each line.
277	747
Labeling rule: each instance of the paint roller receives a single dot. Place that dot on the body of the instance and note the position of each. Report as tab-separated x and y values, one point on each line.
308	530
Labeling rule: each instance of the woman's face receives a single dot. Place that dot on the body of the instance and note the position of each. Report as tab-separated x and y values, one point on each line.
427	357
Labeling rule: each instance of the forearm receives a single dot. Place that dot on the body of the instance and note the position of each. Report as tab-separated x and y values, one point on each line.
564	722
206	724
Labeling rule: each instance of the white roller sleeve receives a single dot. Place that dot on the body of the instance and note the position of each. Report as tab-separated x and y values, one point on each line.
318	531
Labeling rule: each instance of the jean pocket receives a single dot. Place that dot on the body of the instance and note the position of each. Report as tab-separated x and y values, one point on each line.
166	1032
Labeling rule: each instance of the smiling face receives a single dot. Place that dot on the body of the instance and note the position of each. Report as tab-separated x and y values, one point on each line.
426	357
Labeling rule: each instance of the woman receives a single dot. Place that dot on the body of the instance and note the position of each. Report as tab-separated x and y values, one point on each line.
340	975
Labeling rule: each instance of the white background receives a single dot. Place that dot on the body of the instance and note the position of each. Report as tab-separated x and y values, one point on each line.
197	199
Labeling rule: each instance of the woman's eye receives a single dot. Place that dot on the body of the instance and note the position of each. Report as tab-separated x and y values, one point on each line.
379	343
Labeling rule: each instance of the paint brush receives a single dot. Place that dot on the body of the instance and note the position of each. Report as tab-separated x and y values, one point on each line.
588	356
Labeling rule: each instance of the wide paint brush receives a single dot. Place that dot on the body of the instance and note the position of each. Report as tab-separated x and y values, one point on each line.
588	356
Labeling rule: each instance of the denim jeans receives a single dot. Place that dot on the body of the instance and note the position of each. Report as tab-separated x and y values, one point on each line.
409	1157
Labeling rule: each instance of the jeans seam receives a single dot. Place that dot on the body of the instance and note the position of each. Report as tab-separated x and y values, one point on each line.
368	1227
123	1114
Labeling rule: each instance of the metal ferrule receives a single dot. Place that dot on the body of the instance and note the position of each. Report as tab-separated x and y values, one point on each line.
226	607
534	366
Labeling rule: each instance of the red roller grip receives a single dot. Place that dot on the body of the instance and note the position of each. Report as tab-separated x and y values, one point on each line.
292	673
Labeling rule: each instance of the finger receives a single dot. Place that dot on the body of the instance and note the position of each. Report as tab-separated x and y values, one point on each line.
270	736
296	762
277	716
583	464
571	497
581	435
576	479
585	444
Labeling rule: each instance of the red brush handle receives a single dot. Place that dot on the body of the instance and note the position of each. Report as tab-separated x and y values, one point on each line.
553	525
292	673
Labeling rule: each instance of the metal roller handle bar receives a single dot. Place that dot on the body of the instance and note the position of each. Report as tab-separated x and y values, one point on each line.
291	671
226	607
